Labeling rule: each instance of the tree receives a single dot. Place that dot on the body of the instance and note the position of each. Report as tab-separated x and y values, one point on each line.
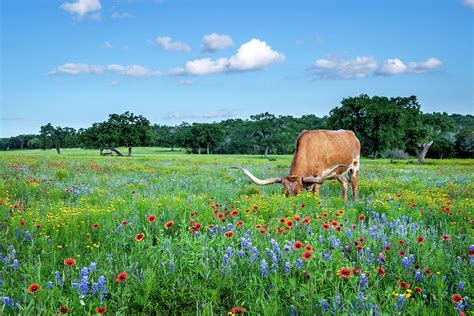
52	137
34	143
264	130
207	135
128	130
377	121
464	144
424	130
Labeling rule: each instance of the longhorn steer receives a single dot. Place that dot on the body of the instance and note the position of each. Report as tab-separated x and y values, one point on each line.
320	155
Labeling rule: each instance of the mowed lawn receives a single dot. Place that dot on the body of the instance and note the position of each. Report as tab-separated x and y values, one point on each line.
170	233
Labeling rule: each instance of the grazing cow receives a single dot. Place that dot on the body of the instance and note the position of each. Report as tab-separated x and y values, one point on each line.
320	155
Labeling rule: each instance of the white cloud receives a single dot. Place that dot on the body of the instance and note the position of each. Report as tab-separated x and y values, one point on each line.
77	69
166	43
222	113
115	83
357	68
123	15
392	67
364	66
83	7
396	66
253	55
82	69
469	3
214	42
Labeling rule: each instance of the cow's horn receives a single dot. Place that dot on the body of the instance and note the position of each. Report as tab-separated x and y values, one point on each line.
257	180
326	173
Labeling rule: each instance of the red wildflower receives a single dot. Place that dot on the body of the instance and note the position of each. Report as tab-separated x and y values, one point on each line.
38	225
420	239
122	277
302	205
297	218
282	220
446	237
239	223
359	247
69	262
234	213
238	310
22	223
345	273
380	270
229	234
427	271
95	226
361	239
125	223
325	214
401	253
139	237
404	284
338	228
456	298
308	247
169	224
388	247
357	270
101	310
307	255
33	288
401	242
326	225
220	215
289	223
450	214
297	245
362	217
63	309
192	214
334	223
151	218
417	289
307	219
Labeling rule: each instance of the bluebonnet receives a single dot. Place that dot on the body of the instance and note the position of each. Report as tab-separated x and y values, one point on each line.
299	263
418	275
324	305
363	280
327	255
348	233
8	302
99	286
171	267
405	262
229	252
92	266
264	268
248	234
241	253
15	264
197	234
287	268
230	226
58	278
49	285
461	286
226	259
276	246
337	299
84	272
255	254
321	239
411	259
274	260
401	300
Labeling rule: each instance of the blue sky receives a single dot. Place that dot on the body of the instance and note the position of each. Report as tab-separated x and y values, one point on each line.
73	62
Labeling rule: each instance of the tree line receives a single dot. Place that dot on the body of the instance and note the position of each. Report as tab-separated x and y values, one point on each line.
387	127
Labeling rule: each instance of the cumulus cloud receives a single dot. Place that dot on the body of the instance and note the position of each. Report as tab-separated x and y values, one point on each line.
81	8
396	66
253	55
357	68
364	66
82	69
166	43
214	42
107	44
469	3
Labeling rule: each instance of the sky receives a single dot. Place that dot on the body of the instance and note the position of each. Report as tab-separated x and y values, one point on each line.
74	62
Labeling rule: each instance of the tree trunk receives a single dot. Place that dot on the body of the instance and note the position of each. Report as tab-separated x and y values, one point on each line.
58	150
208	149
266	151
424	150
129	151
199	149
172	147
118	153
101	150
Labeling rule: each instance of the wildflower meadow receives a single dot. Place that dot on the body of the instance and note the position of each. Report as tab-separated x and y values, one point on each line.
171	233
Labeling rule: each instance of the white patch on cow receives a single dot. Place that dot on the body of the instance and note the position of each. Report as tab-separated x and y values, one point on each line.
356	163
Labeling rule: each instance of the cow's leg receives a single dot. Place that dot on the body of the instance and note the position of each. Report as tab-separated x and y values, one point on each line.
354	184
316	188
345	186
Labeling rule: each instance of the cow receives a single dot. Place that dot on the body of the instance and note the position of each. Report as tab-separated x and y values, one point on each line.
320	155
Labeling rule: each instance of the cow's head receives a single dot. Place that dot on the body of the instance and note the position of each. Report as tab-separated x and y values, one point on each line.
292	185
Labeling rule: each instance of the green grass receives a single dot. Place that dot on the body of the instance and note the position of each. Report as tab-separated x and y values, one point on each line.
176	271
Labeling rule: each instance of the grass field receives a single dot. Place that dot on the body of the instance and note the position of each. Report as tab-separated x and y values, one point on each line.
169	233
